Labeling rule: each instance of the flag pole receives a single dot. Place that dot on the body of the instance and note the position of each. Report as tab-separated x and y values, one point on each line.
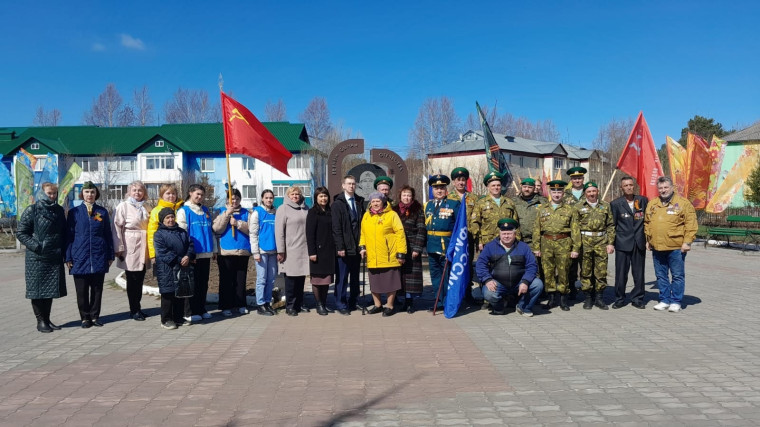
609	183
440	286
226	152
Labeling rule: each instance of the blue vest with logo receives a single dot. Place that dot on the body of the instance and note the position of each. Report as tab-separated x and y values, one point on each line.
199	229
266	230
240	241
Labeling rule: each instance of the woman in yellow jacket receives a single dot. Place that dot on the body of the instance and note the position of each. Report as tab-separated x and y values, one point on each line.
167	198
383	242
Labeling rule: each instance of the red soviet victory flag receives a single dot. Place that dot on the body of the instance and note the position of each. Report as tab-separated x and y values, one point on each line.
244	134
639	158
698	170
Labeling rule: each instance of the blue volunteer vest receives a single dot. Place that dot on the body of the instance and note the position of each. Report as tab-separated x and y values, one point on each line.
266	230
199	229
240	241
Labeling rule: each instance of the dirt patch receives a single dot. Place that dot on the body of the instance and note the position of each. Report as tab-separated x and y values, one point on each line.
213	278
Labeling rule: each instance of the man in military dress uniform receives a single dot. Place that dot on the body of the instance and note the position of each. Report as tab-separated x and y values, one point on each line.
459	177
384	184
573	196
492	207
597	242
527	203
440	217
559	242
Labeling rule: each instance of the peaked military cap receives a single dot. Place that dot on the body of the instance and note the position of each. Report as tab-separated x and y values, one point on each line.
88	185
383	180
576	171
528	181
457	172
439	180
506	224
492	176
590	184
557	184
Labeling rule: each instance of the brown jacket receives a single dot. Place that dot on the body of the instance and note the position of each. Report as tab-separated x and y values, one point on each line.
669	226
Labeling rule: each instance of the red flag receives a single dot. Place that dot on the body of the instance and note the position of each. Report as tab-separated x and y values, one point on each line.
544	182
699	166
244	134
639	158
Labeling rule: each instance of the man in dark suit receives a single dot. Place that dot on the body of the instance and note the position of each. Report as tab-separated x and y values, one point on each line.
347	212
630	243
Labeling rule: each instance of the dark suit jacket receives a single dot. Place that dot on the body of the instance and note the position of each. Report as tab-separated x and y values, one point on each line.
629	224
346	228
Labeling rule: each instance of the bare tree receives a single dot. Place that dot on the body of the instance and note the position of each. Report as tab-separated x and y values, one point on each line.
143	107
437	124
316	117
46	118
275	112
610	141
126	116
105	108
191	106
508	124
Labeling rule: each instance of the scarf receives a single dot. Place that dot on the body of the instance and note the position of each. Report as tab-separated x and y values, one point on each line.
377	212
89	207
139	206
404	208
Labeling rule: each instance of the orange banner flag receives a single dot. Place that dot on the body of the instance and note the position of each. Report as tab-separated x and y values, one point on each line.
677	162
717	150
734	180
699	167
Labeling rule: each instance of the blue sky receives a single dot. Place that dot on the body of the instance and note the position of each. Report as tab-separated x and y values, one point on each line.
578	63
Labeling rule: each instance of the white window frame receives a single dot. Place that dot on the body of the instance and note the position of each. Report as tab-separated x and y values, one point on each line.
117	191
160	162
280	190
249	192
159	143
249	163
298	161
39	165
204	164
34	146
90	163
559	163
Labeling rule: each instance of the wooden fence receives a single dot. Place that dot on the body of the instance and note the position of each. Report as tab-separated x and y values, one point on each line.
719	220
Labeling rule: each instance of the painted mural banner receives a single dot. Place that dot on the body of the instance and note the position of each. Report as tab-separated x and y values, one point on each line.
731	188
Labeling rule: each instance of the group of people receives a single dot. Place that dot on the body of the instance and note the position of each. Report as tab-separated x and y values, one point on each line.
527	246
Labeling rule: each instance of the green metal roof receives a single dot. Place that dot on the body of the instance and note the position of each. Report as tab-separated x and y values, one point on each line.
93	140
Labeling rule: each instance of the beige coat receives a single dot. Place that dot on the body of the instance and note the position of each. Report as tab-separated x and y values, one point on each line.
130	236
667	227
290	237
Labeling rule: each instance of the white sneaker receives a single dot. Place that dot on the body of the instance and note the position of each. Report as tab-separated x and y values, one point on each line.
207	315
674	308
243	310
189	319
195	318
226	313
662	306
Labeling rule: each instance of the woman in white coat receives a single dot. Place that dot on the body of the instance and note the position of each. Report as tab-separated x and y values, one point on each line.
130	238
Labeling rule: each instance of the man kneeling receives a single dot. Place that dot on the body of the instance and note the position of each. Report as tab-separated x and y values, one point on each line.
507	266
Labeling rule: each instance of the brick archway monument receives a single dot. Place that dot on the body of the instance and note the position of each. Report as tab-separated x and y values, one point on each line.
394	164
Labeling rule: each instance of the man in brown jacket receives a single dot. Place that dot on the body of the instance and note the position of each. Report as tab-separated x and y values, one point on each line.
670	226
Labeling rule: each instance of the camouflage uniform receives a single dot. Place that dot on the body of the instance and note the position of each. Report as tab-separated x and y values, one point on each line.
527	210
572	271
597	231
560	235
485	217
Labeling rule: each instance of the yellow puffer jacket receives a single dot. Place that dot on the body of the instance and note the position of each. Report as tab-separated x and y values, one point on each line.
667	227
383	237
153	222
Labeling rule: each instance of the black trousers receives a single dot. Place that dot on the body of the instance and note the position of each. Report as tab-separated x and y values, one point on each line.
233	273
294	292
196	305
320	293
172	308
633	261
134	289
41	308
89	294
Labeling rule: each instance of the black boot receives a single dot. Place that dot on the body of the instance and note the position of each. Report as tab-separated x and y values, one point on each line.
46	315
550	301
409	305
600	301
563	303
321	310
42	326
589	301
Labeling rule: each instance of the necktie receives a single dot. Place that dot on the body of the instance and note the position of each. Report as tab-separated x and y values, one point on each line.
353	207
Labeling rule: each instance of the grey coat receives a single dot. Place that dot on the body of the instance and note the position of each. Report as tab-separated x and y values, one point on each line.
290	236
42	229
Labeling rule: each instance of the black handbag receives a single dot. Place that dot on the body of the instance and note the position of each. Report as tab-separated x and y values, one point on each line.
185	281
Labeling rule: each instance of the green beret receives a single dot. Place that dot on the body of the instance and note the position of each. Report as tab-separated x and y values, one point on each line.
383	180
528	181
557	184
88	185
576	171
590	184
457	172
439	180
508	224
492	176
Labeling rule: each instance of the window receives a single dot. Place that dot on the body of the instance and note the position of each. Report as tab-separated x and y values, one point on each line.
559	164
159	162
248	164
298	161
574	164
40	164
153	190
117	192
207	165
280	190
121	165
89	165
249	192
34	146
538	163
159	143
508	157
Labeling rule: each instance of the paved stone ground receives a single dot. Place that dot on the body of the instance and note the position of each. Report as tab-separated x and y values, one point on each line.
627	366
